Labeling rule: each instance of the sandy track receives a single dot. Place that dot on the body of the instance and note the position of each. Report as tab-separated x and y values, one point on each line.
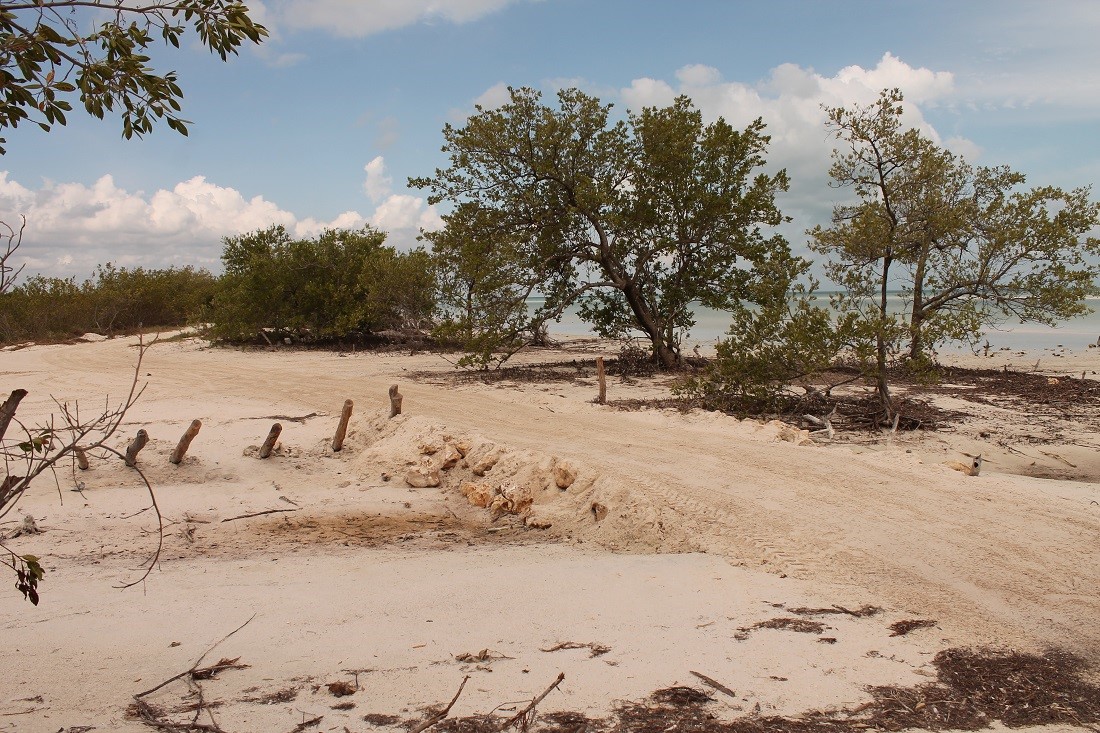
998	558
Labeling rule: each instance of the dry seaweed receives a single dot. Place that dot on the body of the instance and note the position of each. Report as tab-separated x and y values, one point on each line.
974	689
798	625
901	628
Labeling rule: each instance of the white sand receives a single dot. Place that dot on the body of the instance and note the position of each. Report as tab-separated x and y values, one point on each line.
710	522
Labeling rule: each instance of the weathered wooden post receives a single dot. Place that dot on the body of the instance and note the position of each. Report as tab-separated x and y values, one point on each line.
135	447
342	428
976	465
601	374
81	458
395	401
269	444
7	410
185	442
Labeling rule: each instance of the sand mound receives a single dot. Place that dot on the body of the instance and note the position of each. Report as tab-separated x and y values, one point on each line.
564	497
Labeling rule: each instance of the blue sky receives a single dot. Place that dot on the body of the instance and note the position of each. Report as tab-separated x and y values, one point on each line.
322	124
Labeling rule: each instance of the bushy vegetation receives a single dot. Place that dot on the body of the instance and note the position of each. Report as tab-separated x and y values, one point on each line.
115	300
340	285
633	221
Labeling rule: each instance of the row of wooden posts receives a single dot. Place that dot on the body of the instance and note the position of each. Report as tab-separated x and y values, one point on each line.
268	446
266	449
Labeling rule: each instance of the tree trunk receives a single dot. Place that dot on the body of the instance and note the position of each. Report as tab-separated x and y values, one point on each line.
665	352
881	384
916	318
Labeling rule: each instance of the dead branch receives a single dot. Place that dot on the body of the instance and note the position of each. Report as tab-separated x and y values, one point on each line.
342	428
438	717
260	514
395	401
150	717
269	443
9	274
524	717
288	418
7	410
307	724
185	442
714	683
135	447
594	649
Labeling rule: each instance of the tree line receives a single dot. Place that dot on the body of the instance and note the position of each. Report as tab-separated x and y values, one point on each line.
634	222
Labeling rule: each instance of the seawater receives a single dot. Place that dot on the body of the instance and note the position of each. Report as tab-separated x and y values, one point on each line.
711	326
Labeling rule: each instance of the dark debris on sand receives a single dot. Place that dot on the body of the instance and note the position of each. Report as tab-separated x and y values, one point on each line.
975	687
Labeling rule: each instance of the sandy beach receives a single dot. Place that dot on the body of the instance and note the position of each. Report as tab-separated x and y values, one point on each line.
654	548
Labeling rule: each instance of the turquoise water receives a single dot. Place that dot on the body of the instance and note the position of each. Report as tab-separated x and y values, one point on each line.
711	325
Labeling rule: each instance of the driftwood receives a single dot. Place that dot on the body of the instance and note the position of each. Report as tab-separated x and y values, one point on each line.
269	444
81	458
7	410
601	375
135	447
523	717
714	683
438	717
185	442
395	401
259	514
342	428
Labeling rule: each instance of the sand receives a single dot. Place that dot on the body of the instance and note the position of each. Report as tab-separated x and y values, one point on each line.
679	533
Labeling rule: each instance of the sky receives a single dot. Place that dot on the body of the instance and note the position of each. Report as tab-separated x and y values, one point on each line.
322	125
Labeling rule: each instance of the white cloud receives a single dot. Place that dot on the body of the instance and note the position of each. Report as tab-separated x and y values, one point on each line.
360	18
495	96
790	102
377	184
72	227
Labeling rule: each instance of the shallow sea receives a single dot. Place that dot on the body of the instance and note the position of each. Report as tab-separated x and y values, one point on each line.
711	325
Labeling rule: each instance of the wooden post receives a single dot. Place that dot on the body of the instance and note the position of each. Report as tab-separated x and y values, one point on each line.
601	374
81	458
395	401
7	410
976	465
185	442
269	444
135	447
342	428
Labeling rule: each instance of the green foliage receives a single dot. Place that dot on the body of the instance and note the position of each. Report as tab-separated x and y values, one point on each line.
634	220
117	300
28	571
50	50
483	289
343	283
768	350
966	247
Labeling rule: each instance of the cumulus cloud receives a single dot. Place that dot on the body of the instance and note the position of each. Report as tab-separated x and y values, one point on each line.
377	185
790	102
360	18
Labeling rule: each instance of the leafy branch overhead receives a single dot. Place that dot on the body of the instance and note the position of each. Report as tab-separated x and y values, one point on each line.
52	51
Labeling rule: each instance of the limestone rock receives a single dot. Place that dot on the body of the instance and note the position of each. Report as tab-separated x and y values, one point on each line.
450	457
485	463
478	493
564	475
462	445
599	511
510	499
428	448
424	476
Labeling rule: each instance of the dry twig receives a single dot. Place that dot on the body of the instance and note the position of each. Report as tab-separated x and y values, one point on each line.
438	717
